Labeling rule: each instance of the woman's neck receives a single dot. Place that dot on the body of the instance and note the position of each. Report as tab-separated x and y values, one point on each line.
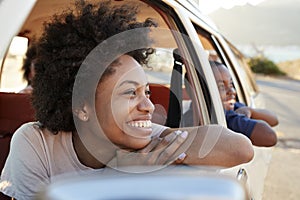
84	156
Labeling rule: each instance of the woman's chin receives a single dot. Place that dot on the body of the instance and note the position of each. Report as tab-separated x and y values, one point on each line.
137	144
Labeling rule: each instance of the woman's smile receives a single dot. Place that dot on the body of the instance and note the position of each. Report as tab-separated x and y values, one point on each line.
140	129
140	124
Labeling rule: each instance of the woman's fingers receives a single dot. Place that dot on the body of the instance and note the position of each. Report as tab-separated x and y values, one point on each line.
163	153
160	151
180	158
154	142
168	155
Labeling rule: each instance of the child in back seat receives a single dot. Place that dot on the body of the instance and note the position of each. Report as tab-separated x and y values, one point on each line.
254	123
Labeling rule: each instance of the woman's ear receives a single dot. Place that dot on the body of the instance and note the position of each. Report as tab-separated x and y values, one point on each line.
82	113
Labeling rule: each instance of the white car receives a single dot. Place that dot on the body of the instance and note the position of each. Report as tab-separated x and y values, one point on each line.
180	26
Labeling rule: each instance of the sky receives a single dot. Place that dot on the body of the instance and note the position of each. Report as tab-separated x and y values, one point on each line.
208	6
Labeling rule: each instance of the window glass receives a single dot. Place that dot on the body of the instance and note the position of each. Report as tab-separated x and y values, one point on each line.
208	45
215	55
166	71
11	71
246	76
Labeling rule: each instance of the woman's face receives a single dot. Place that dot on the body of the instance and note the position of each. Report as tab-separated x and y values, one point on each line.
123	107
225	86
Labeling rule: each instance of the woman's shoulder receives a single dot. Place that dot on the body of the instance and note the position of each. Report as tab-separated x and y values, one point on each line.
28	127
33	133
27	131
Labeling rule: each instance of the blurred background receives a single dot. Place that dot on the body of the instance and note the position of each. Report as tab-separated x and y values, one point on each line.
260	28
267	33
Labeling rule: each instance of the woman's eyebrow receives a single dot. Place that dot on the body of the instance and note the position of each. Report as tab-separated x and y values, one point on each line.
131	82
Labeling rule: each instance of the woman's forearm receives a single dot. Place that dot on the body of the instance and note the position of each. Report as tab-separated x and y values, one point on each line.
216	145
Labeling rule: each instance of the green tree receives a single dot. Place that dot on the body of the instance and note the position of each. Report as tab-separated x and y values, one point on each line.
265	66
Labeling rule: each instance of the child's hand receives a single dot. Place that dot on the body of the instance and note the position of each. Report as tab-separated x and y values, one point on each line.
244	111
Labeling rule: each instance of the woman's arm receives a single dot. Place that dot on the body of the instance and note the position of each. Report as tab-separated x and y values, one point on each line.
202	145
215	145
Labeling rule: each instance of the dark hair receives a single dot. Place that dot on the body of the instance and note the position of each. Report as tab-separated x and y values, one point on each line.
64	45
28	61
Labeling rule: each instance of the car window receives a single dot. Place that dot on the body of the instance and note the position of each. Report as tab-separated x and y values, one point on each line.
172	93
215	54
245	74
11	79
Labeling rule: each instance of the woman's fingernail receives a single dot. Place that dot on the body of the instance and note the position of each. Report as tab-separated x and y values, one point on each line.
184	134
178	132
182	156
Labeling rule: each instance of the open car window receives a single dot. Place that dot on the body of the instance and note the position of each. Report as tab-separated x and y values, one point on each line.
11	79
168	71
215	54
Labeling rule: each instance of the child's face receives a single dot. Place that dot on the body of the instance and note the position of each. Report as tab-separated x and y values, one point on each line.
225	86
123	107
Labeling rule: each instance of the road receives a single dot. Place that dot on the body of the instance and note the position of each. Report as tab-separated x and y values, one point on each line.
283	178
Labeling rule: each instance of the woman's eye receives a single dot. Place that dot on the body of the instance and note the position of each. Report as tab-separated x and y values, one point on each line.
134	93
130	92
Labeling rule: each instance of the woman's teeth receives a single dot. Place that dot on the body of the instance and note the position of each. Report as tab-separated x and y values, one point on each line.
141	124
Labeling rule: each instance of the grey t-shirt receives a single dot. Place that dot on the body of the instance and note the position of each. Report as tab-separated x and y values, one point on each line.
37	157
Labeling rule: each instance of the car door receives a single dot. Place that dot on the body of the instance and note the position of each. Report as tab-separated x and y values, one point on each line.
219	49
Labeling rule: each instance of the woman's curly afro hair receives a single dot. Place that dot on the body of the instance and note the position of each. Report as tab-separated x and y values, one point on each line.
63	47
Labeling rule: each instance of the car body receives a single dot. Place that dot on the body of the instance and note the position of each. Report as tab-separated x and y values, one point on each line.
180	26
171	183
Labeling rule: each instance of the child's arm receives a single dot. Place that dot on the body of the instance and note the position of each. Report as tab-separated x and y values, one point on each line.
263	134
259	114
259	131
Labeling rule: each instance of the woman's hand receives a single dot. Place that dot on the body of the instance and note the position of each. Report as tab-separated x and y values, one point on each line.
160	151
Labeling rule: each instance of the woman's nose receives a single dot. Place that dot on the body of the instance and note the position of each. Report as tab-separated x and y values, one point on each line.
146	105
